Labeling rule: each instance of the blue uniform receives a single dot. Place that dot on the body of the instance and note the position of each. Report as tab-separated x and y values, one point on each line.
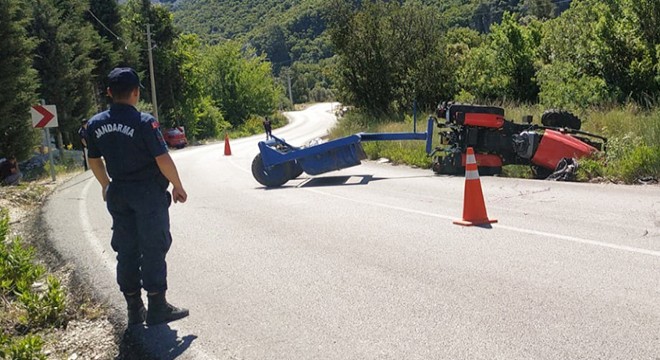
137	198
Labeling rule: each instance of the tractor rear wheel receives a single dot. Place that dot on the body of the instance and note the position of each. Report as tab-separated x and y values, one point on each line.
561	118
445	166
274	177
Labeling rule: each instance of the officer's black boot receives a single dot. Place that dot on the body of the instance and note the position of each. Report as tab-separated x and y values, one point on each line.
160	311
136	311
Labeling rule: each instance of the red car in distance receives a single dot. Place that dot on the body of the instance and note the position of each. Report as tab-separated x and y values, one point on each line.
175	137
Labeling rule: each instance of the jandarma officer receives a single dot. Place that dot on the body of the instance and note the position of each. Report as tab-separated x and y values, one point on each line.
141	169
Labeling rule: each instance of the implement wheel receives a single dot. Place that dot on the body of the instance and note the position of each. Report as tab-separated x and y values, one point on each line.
274	177
294	169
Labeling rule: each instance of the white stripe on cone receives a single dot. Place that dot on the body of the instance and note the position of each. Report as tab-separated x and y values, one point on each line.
472	175
470	159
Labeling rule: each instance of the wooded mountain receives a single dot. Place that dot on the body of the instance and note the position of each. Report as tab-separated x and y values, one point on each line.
288	30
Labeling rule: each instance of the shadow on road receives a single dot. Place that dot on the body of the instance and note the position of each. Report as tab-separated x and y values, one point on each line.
337	180
156	342
345	180
351	180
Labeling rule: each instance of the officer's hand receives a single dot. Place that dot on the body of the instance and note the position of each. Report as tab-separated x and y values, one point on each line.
179	195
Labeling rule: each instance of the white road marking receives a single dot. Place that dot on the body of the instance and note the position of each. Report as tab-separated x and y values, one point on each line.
581	241
505	227
107	260
231	161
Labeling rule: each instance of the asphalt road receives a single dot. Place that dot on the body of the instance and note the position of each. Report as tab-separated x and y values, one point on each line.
365	263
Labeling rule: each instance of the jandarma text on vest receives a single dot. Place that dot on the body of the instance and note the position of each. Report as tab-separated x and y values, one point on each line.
108	128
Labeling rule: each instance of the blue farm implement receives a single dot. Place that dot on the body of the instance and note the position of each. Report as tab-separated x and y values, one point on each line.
279	161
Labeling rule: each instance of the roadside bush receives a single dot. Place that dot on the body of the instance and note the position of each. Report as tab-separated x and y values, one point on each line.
210	122
563	86
633	137
253	125
641	162
4	225
591	169
44	308
24	348
17	270
20	290
619	146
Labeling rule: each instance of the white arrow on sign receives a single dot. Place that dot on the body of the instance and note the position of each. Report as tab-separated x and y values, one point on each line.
44	116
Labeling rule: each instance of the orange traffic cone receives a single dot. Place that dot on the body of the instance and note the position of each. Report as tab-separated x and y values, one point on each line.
227	147
474	208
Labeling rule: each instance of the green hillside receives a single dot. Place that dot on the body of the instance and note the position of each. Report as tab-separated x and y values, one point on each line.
295	25
284	30
216	20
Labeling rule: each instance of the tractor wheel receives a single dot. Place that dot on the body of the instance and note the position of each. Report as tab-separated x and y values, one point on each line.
293	169
445	166
273	177
560	118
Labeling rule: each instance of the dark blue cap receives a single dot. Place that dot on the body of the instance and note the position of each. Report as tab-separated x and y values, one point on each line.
123	78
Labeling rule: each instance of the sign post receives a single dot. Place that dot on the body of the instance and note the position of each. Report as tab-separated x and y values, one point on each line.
45	116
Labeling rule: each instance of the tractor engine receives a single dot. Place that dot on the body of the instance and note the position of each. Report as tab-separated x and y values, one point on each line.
498	142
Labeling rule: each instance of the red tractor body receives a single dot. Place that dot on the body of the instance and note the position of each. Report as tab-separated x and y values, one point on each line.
498	142
555	146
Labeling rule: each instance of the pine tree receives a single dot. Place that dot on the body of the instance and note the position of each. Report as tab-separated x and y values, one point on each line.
17	93
64	62
105	18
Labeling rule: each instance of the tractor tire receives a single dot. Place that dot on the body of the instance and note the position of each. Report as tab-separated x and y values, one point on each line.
445	166
560	118
294	169
273	177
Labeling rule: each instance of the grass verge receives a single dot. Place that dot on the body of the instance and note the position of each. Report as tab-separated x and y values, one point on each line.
409	152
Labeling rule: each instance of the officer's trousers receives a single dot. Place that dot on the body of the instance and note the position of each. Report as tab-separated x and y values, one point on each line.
141	234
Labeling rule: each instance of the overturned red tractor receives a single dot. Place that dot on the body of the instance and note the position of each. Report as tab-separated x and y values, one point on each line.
498	142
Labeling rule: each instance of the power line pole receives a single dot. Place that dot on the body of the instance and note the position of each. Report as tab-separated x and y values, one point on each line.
151	73
288	76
